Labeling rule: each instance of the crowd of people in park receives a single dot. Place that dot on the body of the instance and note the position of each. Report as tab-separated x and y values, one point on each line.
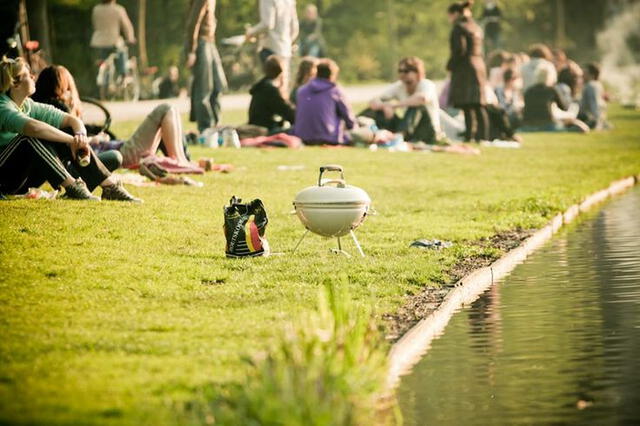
43	137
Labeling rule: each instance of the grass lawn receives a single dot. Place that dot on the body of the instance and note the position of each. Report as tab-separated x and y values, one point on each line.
117	313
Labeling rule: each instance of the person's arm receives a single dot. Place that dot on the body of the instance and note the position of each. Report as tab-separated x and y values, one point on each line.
389	93
458	45
590	102
194	20
41	130
267	19
559	99
417	99
282	107
295	25
126	26
343	110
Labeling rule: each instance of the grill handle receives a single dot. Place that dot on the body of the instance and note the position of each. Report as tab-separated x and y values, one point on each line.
330	168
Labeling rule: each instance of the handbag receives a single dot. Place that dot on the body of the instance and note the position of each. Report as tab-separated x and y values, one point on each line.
244	229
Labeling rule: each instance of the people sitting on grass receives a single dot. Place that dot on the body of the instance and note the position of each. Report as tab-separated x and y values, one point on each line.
570	80
269	107
500	127
161	129
593	103
510	98
55	86
322	112
499	61
410	105
540	57
33	149
306	71
538	107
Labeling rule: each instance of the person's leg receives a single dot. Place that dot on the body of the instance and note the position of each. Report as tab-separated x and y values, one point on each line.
24	159
93	174
146	139
286	73
503	123
203	85
219	85
482	118
122	57
470	122
392	124
416	125
171	135
111	159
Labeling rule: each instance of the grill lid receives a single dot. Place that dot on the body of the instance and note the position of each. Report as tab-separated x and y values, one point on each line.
332	191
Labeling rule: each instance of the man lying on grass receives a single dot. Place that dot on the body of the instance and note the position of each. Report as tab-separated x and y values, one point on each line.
33	149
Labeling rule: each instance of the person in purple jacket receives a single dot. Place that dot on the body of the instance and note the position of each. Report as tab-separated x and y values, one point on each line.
322	113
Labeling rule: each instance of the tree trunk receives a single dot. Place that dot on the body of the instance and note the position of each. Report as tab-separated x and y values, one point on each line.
561	34
38	15
393	37
142	34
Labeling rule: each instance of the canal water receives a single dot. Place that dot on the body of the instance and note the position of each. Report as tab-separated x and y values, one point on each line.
556	342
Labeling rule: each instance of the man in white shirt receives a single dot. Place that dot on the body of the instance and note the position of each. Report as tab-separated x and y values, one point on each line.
416	98
279	26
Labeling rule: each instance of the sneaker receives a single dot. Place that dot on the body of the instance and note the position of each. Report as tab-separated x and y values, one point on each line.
78	191
117	192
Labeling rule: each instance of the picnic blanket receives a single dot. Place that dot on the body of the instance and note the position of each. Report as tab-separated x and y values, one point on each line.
279	140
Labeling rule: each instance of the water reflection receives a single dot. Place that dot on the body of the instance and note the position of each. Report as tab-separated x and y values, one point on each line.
557	342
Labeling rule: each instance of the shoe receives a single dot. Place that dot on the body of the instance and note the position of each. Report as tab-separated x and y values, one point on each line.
116	192
78	191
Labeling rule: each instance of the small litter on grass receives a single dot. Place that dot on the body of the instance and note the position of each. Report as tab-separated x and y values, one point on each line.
216	281
431	244
134	179
38	194
501	144
285	168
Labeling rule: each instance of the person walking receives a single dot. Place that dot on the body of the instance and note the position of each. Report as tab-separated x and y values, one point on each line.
468	71
279	25
203	59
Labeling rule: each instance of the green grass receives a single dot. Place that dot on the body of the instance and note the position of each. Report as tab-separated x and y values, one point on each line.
122	314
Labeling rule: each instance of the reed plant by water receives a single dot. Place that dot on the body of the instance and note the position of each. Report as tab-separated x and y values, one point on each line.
326	369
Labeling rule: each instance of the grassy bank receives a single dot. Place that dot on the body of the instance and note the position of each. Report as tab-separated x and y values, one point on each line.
115	313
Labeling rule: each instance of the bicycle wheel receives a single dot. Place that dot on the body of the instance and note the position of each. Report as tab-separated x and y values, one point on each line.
95	116
131	82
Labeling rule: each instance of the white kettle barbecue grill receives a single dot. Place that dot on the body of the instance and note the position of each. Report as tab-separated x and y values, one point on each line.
332	208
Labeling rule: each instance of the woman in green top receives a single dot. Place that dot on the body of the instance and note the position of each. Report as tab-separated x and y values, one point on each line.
33	149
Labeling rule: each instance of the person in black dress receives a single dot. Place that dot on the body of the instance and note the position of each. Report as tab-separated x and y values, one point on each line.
468	71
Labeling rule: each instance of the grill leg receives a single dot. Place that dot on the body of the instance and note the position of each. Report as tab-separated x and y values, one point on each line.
355	240
339	249
300	240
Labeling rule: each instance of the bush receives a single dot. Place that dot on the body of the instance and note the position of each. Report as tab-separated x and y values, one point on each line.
328	370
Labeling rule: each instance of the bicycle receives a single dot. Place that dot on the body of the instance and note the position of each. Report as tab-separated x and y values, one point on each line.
240	61
112	85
